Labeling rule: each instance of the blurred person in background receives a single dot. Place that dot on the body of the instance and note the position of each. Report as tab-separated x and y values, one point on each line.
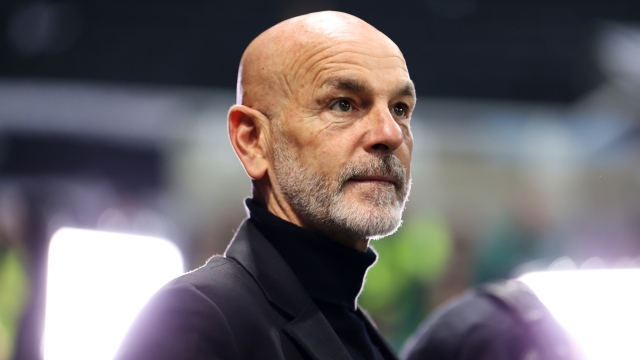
495	321
499	319
321	126
522	241
14	277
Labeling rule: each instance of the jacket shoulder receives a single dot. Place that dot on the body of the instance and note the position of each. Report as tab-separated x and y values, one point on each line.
198	315
219	277
179	322
216	268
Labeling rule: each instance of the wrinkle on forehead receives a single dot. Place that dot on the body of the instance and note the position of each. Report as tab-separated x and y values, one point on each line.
320	68
274	65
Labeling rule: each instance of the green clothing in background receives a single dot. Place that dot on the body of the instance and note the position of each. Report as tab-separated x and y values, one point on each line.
14	292
396	291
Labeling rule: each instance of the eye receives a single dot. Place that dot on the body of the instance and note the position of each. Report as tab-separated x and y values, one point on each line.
399	110
342	105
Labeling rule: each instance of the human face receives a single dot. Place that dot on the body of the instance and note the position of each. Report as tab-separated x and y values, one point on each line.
342	145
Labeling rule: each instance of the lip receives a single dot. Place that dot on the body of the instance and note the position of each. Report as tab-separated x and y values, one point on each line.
374	178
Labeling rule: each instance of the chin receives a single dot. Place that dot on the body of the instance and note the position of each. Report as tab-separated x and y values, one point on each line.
387	226
371	215
365	220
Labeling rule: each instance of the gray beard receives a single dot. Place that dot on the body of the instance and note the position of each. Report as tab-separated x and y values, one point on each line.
320	201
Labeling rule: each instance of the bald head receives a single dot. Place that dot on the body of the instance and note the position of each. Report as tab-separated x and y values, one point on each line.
280	60
321	125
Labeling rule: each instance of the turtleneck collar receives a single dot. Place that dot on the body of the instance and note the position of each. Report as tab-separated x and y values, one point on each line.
328	270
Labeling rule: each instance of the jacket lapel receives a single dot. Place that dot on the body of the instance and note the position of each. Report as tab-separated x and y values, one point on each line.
376	338
280	285
314	334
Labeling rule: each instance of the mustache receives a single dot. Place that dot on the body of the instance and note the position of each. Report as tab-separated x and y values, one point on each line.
376	165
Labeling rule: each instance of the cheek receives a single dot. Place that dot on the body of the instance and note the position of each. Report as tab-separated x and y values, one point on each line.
325	158
407	149
335	149
404	155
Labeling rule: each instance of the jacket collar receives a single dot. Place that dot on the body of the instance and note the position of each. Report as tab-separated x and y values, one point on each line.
280	285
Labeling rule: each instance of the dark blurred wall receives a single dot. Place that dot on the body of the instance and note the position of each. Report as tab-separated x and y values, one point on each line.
131	169
526	50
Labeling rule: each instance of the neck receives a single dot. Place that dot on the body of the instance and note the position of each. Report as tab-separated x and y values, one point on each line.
358	244
278	206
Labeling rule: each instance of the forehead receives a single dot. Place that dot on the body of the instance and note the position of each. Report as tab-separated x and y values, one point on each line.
374	60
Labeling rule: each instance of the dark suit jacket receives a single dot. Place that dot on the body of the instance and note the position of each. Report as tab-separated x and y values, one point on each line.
245	305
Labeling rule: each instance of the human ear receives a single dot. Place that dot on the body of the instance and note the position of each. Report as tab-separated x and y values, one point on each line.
247	132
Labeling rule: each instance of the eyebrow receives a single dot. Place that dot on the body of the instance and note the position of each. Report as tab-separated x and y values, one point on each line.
354	85
341	83
408	89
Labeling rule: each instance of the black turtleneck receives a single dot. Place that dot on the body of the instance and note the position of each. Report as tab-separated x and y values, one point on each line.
330	272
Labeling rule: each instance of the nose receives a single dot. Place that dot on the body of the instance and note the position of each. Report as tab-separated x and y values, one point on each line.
384	133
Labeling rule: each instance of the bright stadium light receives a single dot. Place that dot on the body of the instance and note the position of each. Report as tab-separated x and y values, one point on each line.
96	284
600	309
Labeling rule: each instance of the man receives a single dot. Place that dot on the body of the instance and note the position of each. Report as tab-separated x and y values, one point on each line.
321	126
494	321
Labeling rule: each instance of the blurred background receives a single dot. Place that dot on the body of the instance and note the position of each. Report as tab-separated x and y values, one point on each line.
527	139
